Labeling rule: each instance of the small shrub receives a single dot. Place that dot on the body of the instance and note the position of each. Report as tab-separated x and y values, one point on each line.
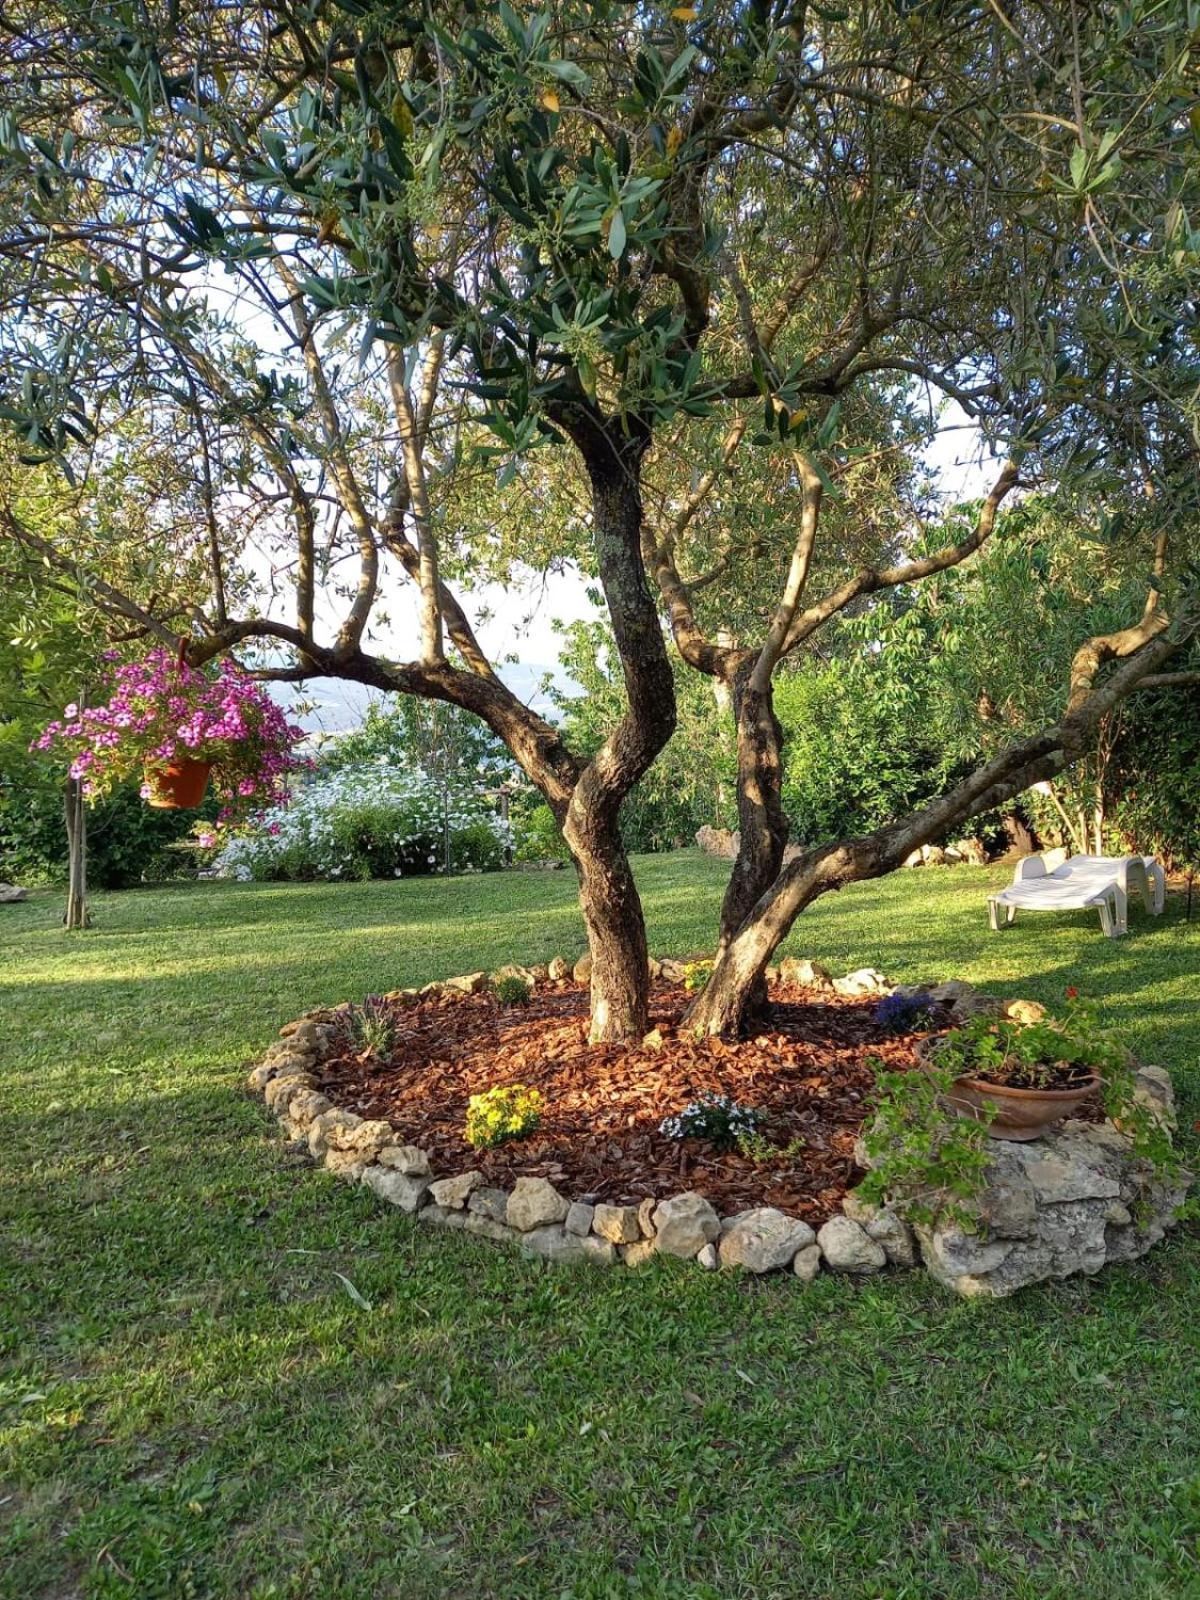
373	1026
508	1112
511	990
696	975
926	1162
715	1117
758	1148
904	1013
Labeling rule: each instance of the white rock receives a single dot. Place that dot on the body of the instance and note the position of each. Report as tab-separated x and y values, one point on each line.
807	1263
763	1240
397	1188
897	1238
405	1158
453	1192
534	1203
846	1247
554	1243
684	1225
863	982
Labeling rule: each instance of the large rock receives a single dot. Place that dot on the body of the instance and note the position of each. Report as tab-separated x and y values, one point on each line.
489	1202
328	1129
397	1188
718	842
808	974
534	1203
454	1192
763	1240
865	981
302	1109
10	894
406	1158
555	1244
582	970
894	1234
684	1224
847	1247
619	1224
1070	1202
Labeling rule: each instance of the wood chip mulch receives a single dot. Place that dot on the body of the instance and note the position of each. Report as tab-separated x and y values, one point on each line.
810	1071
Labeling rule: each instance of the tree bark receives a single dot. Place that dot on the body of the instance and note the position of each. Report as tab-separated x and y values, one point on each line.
612	909
762	822
724	1005
77	914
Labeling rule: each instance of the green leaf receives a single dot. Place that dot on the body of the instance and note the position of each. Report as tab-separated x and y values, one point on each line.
616	235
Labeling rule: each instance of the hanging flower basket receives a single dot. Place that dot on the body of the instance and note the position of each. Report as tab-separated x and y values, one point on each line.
178	725
179	786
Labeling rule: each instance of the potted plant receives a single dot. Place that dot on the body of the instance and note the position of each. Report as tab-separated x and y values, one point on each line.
1023	1078
177	725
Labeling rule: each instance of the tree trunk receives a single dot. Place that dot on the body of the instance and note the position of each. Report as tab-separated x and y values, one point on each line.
616	929
762	822
77	914
612	909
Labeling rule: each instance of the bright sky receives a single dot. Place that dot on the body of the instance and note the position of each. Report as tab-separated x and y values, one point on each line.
520	621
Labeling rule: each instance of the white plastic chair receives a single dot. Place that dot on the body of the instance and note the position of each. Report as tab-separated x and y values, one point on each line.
1101	883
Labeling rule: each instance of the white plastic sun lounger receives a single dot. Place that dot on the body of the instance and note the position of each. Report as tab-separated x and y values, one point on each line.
1101	883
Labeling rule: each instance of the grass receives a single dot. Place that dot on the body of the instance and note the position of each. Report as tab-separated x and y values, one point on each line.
193	1404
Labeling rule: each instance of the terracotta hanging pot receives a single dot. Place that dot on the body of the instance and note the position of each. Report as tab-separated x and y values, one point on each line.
178	786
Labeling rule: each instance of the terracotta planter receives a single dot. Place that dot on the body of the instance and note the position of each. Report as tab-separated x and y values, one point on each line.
1020	1113
178	786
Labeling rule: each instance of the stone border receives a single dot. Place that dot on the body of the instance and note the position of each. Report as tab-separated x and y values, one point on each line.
1058	1205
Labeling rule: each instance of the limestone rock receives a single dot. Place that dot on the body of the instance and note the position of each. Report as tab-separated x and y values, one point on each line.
534	1203
975	1005
717	842
709	1258
260	1075
858	1209
617	1223
401	1189
847	1248
554	1243
1026	1012
488	1202
684	1225
486	1227
405	1158
1062	1204
646	1216
897	1238
10	895
807	1263
637	1255
280	1092
950	991
808	974
349	1165
865	981
320	1134
558	969
453	1192
933	855
467	983
439	1217
763	1240
366	1139
582	970
303	1108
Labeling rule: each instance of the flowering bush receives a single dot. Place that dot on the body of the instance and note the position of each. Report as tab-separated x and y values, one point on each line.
904	1013
716	1117
376	822
502	1113
161	711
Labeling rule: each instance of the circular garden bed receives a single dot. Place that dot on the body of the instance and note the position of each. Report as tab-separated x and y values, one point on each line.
384	1093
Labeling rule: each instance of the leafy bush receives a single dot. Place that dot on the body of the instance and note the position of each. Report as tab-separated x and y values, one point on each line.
373	823
536	835
926	1162
507	1112
511	991
716	1117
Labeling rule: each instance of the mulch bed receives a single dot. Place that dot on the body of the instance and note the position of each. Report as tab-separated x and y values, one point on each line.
811	1071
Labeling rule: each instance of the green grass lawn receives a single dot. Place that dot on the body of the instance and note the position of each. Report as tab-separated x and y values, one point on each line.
192	1404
